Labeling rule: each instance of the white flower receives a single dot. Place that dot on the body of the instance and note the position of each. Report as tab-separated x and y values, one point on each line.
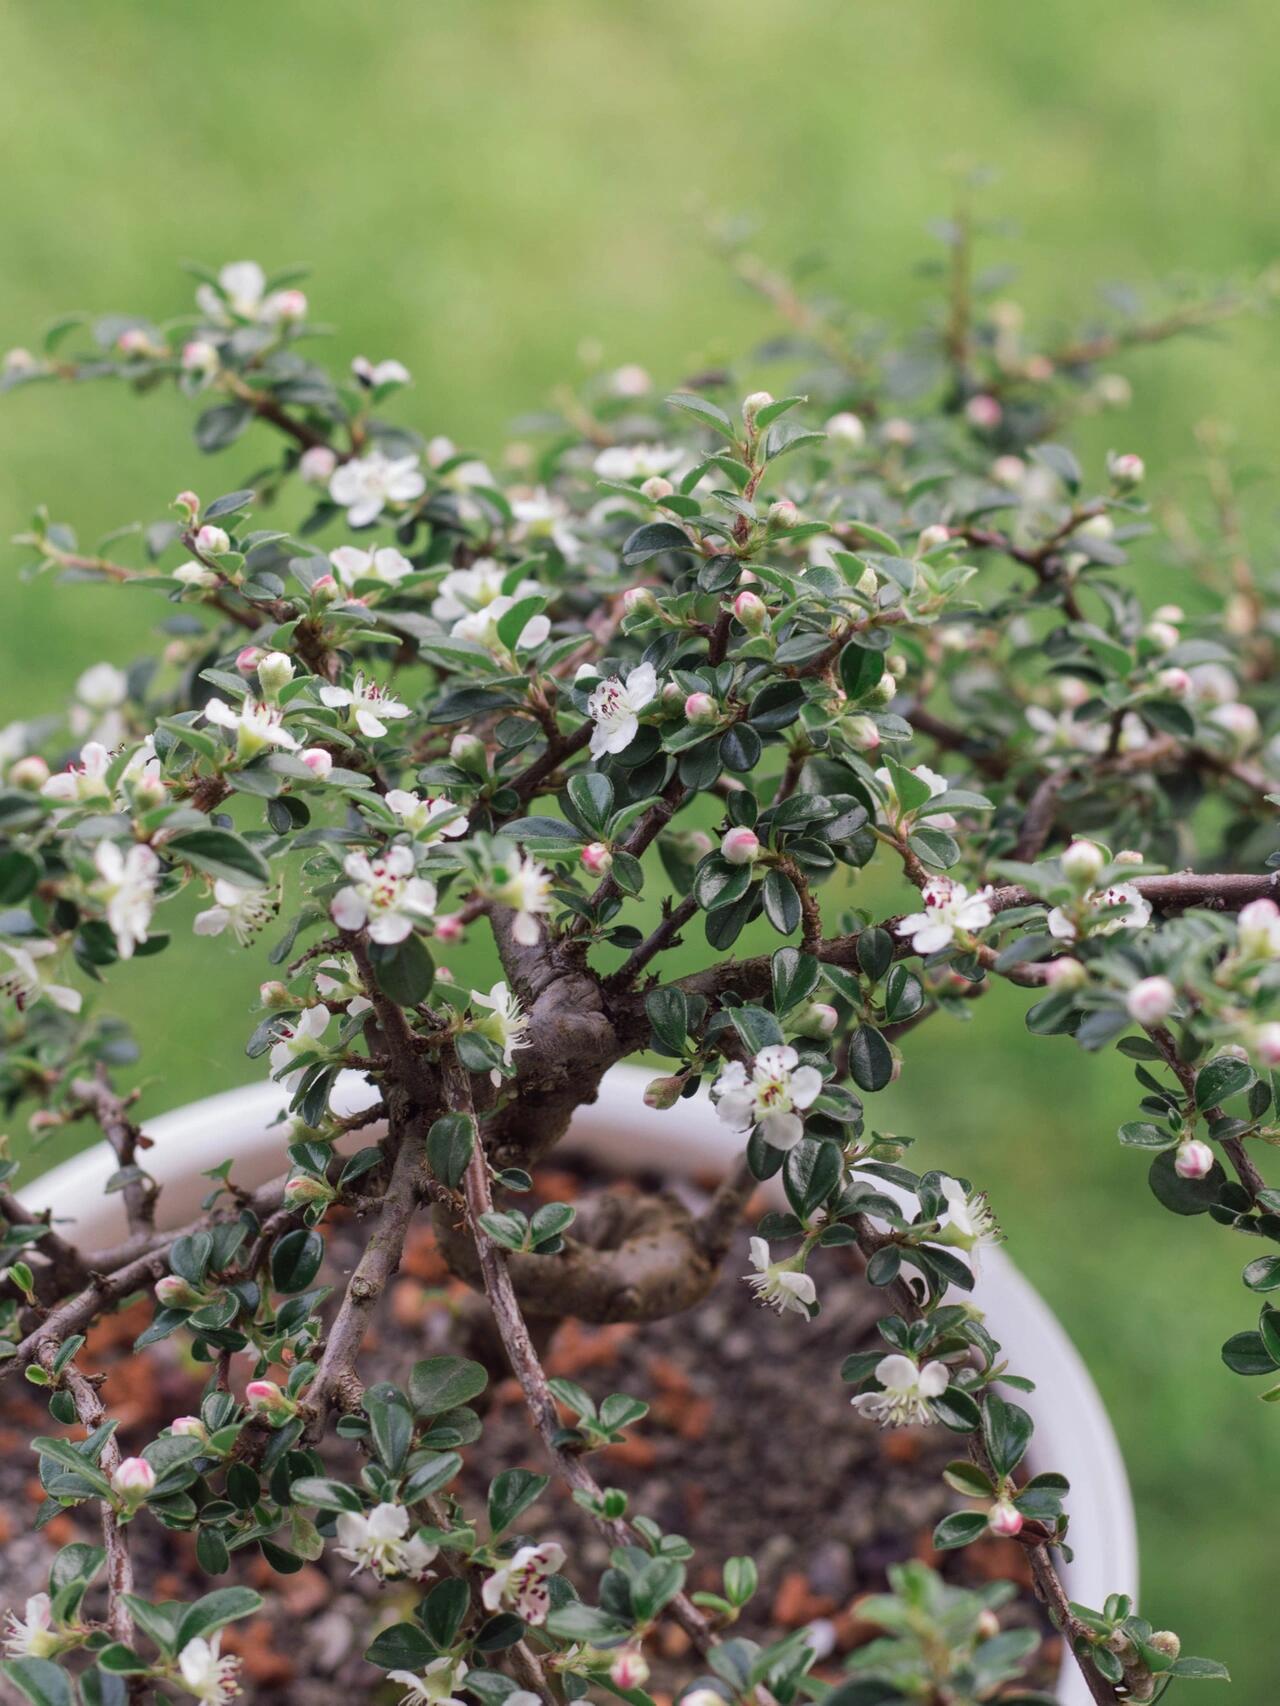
907	1391
937	785
464	591
1136	916
242	911
26	981
522	1582
100	693
967	1220
779	1283
1238	721
1259	930
385	564
434	1687
257	726
243	288
949	907
367	484
31	1637
372	373
1061	732
84	781
528	890
540	516
768	1100
196	575
369	705
614	707
505	1024
336	980
127	888
429	819
623	462
383	894
206	1674
377	1541
481	628
299	1038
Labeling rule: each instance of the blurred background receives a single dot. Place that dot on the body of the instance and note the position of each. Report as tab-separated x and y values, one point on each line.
482	187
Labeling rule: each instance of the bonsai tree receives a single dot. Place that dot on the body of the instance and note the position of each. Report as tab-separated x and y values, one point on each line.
683	668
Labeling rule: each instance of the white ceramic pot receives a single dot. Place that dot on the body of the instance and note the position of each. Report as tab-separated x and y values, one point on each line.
1073	1434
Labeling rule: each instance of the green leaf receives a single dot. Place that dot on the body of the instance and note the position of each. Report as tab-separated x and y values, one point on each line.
1221	1078
402	1647
443	1383
961	1528
39	1680
19	874
668	1013
449	1147
756	1026
219	853
1006	1430
429	1477
1199	1670
652	539
511	1493
703	411
860	669
592	795
781	902
216	1609
794	976
1263	1274
810	1173
296	1259
405	970
875	952
1184	1196
1246	1353
870	1059
444	1609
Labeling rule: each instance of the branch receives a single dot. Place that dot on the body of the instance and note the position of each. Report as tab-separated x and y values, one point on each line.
111	1111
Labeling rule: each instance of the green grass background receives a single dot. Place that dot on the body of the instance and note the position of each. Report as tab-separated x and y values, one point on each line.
480	187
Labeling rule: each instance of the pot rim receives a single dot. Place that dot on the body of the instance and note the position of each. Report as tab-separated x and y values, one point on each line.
1073	1431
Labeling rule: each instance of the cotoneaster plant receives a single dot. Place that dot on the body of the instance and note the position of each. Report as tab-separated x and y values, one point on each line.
688	664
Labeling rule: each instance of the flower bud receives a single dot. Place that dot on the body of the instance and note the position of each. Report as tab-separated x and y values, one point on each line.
1113	391
189	503
751	611
133	341
1193	1159
317	760
18	362
304	1190
1169	613
1162	634
1126	470
1005	1519
597	860
988	1624
1064	973
1008	471
657	487
188	1427
630	380
176	1293
248	658
316	465
468	750
1266	1044
741	846
196	575
275	672
1096	527
1082	863
884	691
212	541
1165	1641
31	772
638	598
861	734
847	428
701	708
449	928
984	413
816	1019
783	513
289	304
629	1669
133	1478
265	1398
664	1092
1175	682
898	432
1151	1000
1238	721
274	995
200	357
754	403
931	537
696	843
1129	856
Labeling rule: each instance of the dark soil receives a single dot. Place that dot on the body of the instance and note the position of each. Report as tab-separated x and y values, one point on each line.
750	1446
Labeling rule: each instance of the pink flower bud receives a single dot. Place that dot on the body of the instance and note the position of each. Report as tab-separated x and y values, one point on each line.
133	341
212	541
304	1190
265	1398
1129	856
700	708
629	1669
697	843
248	658
317	464
1162	634
449	928
898	432
200	357
1038	368
176	1293
751	611
861	734
1151	1000
30	772
1064	973
741	846
317	760
783	513
753	404
984	413
932	537
1266	1043
188	1427
1193	1160
133	1478
657	487
664	1092
1005	1519
637	598
818	1019
988	1624
1174	681
847	428
289	304
597	859
273	994
325	590
1008	471
468	750
1128	469
189	502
